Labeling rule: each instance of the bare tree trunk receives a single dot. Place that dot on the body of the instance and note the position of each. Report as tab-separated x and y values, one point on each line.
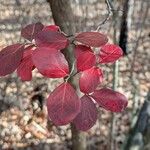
124	27
64	18
139	137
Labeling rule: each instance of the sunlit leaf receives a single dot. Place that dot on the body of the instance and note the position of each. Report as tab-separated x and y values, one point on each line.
110	53
86	61
50	62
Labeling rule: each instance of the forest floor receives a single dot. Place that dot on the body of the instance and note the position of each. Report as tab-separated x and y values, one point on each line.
23	116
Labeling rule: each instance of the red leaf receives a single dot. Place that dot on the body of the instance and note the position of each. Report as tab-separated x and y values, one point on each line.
86	61
26	66
28	51
63	104
90	79
10	58
110	100
94	39
51	28
81	49
30	31
50	62
110	53
87	116
51	39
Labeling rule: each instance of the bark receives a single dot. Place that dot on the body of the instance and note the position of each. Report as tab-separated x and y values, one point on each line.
64	18
124	28
139	136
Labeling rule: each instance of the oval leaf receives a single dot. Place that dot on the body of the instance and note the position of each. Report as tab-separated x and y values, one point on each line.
51	39
87	116
30	31
50	62
63	104
90	79
10	58
110	100
110	53
81	49
26	66
94	39
86	61
51	28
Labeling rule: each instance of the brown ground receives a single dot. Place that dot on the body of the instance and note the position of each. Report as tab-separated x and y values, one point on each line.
23	124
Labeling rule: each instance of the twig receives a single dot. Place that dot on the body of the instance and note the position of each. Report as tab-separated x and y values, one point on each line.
109	9
71	72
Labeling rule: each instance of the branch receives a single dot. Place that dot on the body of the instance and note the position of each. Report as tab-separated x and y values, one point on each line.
109	9
110	12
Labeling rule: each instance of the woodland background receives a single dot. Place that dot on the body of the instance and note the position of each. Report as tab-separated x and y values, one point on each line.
23	117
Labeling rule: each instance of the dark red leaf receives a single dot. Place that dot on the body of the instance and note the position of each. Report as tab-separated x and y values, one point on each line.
86	61
51	28
30	31
81	49
10	58
51	39
110	100
26	66
50	62
110	53
63	104
90	79
87	116
94	39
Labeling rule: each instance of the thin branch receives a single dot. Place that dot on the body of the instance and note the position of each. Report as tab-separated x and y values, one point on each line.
109	9
110	12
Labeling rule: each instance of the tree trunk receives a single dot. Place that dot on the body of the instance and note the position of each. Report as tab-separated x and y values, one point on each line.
64	18
139	136
124	27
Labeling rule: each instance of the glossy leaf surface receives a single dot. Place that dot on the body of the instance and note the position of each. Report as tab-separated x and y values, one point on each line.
90	79
87	116
10	58
110	53
86	61
50	62
110	100
63	104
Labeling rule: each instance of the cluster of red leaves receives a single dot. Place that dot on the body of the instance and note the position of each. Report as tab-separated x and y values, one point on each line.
44	52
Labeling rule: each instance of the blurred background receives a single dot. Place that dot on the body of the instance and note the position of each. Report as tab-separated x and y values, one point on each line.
23	117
